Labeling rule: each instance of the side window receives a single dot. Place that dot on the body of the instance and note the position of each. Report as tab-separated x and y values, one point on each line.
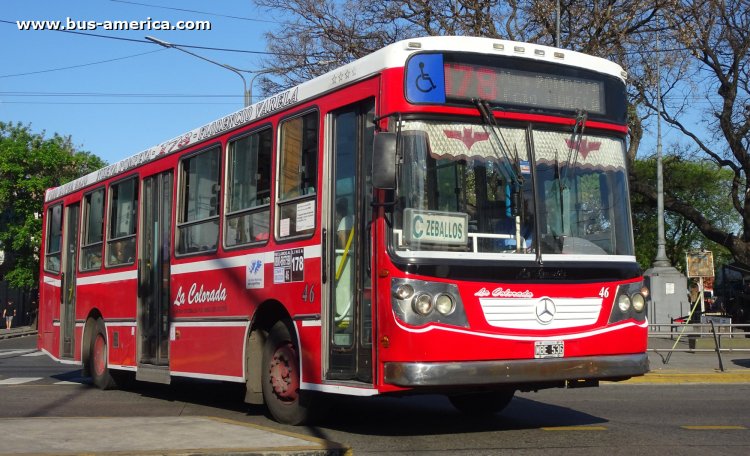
122	222
93	230
53	253
298	174
249	190
198	215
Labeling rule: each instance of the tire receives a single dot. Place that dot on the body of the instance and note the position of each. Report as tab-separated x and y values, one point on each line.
100	373
280	378
482	404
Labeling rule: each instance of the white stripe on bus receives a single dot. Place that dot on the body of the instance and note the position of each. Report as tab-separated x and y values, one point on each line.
310	251
107	278
224	378
53	282
582	335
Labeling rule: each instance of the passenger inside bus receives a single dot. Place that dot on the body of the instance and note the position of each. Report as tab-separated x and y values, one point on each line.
121	252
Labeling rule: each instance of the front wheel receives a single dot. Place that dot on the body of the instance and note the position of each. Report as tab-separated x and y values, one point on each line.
281	376
482	404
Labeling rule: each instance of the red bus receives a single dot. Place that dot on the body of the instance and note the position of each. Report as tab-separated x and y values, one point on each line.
447	214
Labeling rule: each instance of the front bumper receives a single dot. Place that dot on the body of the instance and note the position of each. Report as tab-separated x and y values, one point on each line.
525	371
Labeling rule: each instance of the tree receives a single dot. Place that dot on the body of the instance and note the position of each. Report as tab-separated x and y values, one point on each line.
29	164
713	84
698	181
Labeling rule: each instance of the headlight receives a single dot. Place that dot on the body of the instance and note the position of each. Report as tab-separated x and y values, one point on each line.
623	302
404	291
639	302
445	304
422	304
644	292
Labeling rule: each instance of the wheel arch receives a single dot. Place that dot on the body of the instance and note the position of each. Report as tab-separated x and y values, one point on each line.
267	314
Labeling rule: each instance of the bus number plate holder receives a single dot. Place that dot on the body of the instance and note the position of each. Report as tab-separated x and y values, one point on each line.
549	349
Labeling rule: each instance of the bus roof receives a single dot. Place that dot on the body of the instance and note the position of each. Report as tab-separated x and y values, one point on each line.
392	56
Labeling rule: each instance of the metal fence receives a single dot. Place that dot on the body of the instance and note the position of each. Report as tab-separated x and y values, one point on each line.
715	335
701	337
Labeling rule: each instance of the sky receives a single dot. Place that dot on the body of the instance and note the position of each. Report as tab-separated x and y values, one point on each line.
142	94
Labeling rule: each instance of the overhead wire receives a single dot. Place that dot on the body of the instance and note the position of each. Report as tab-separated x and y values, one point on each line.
208	13
82	65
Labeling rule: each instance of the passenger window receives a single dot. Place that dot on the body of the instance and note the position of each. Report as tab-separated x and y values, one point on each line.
249	186
198	215
52	257
298	174
93	230
122	222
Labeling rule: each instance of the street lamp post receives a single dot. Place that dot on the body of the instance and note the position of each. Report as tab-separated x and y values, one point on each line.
667	286
247	95
252	81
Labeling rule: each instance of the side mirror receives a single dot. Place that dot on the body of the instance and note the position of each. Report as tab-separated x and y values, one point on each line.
384	161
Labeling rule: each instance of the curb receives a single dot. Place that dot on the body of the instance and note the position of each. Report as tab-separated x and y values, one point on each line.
17	333
688	377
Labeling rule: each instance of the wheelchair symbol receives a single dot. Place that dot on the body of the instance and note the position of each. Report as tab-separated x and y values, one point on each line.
424	81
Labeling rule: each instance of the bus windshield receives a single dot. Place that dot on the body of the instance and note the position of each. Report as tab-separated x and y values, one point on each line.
471	188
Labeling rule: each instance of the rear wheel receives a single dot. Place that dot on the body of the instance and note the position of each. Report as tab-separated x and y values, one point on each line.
99	371
285	400
484	403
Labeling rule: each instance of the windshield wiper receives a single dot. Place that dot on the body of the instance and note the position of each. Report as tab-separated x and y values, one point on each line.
575	142
510	171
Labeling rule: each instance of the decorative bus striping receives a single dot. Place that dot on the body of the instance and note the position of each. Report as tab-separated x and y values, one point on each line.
447	214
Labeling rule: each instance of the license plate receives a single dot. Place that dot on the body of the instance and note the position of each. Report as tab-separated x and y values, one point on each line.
549	349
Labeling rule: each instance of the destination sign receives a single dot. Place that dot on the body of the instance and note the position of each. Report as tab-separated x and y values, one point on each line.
510	86
435	227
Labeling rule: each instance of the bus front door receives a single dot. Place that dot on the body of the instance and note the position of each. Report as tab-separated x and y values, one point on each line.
68	291
153	279
349	312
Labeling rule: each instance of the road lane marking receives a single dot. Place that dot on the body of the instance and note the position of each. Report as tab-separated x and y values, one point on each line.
714	428
575	428
19	380
16	352
35	353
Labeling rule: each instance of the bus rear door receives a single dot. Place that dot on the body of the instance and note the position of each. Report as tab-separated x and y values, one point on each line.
68	289
153	279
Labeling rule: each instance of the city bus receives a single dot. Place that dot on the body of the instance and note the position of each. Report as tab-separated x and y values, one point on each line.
445	215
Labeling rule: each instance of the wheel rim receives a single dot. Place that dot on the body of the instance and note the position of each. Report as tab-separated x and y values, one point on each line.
284	373
100	357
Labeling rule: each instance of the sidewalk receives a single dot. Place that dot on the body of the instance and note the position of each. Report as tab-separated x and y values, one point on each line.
188	435
17	332
681	367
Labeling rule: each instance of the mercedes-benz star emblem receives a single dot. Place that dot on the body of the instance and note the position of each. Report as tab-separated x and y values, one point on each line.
545	311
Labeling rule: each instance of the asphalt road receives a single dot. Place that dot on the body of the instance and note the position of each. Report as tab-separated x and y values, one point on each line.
612	419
